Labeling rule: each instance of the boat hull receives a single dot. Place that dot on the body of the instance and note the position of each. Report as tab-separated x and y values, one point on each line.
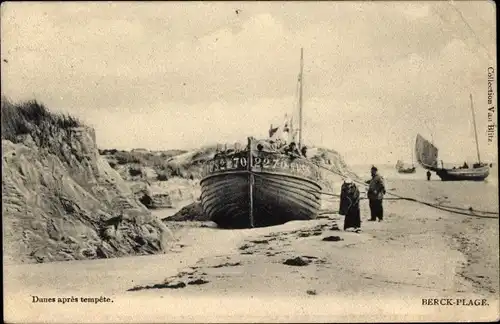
274	198
410	170
474	174
260	189
427	157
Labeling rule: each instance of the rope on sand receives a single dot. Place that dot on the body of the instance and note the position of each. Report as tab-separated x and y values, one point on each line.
451	209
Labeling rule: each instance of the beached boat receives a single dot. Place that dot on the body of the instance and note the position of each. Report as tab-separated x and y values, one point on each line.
257	186
427	156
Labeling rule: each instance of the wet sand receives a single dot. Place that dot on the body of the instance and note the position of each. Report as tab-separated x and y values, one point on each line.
380	274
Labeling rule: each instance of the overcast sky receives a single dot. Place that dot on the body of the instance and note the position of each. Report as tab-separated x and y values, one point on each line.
185	74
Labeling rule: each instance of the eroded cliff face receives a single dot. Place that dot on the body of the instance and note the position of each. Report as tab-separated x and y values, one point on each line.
62	201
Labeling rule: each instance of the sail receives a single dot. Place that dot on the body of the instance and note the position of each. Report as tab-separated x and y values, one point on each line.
427	153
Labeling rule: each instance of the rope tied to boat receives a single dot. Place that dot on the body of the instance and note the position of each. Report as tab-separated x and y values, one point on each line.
450	209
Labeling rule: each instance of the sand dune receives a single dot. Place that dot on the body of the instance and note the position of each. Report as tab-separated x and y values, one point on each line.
60	199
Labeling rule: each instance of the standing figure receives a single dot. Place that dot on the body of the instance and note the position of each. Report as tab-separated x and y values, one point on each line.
292	150
376	192
303	150
349	205
428	175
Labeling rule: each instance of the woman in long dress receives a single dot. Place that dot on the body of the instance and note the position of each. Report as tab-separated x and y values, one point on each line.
349	205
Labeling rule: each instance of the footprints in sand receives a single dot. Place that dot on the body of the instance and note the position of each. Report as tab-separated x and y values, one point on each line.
314	231
277	242
277	249
190	277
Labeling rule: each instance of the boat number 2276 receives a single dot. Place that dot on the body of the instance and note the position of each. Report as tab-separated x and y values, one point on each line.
238	163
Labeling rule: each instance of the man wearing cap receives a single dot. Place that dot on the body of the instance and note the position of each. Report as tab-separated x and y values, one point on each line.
376	192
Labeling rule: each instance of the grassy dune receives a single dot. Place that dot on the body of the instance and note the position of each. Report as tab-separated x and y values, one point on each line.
60	200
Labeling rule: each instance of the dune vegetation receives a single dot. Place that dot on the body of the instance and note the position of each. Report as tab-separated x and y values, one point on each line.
61	200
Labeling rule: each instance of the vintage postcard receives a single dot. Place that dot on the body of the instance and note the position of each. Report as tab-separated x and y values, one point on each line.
329	161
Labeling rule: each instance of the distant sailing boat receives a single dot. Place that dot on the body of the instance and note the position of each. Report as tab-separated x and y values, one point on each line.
427	156
401	169
256	187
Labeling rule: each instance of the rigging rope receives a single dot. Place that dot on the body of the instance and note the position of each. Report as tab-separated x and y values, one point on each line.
444	208
450	209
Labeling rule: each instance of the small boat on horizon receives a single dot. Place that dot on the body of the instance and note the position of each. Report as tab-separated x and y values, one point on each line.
427	156
401	169
262	185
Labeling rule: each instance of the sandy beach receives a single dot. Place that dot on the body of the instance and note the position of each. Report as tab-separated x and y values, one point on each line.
380	274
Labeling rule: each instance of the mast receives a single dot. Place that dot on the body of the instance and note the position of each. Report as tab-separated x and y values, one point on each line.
300	95
475	130
250	182
412	162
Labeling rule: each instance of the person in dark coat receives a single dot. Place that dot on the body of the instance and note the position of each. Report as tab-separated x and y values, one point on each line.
292	150
349	205
376	192
429	175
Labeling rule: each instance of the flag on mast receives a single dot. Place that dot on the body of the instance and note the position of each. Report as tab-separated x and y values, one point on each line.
286	128
272	131
288	131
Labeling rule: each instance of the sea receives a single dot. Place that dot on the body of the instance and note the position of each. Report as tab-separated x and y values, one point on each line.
480	195
388	171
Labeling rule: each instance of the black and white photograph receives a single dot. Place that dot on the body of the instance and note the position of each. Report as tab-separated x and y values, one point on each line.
249	161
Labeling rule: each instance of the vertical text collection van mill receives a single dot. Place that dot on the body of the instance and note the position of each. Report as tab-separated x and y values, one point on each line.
491	105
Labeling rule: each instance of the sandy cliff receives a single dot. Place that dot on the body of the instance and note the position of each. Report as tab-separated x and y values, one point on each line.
61	200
